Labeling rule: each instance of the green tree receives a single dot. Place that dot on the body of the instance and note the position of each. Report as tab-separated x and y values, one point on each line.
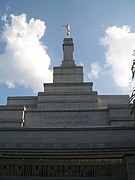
132	97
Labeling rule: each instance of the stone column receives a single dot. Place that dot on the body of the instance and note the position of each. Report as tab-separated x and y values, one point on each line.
68	49
68	72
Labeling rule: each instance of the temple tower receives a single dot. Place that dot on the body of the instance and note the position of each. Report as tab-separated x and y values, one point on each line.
68	72
68	131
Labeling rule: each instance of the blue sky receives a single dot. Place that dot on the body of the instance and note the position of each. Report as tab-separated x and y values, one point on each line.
104	39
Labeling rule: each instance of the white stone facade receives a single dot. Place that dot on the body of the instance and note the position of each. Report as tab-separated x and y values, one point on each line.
67	116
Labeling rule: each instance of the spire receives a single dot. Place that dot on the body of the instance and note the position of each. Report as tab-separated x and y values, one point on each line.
68	72
68	48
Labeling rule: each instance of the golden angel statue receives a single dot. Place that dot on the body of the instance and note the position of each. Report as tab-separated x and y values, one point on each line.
67	26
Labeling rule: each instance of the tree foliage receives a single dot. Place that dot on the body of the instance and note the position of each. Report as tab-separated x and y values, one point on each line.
132	97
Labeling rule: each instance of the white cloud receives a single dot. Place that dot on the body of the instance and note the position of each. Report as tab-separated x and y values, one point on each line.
10	85
25	60
119	43
95	71
4	17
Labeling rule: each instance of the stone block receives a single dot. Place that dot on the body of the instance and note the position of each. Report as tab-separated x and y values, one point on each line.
68	138
113	99
66	118
22	100
68	74
67	88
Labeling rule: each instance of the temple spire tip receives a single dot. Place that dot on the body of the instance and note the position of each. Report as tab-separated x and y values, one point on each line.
67	26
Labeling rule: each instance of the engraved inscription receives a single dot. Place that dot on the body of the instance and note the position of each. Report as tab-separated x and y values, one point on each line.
67	123
64	120
63	117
